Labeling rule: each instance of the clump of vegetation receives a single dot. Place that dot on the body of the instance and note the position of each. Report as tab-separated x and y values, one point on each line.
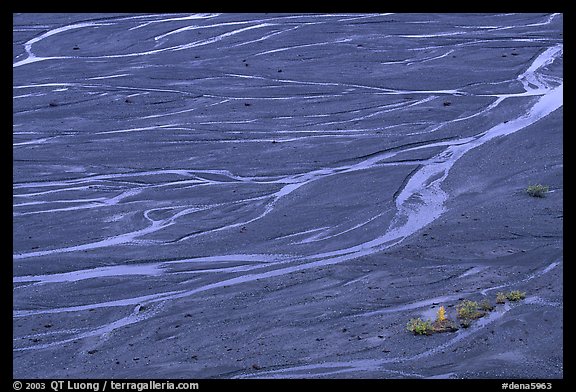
514	295
501	298
467	311
441	314
537	190
442	323
426	327
420	327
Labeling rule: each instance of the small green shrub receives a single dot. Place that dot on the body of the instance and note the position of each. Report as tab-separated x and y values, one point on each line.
419	327
468	310
501	298
537	190
516	295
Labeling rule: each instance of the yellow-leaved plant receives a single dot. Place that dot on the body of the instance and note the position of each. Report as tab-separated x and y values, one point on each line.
441	315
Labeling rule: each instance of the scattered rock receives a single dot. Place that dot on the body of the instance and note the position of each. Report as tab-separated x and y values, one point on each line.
92	351
447	103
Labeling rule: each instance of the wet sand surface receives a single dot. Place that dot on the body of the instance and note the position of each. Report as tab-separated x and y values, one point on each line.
275	196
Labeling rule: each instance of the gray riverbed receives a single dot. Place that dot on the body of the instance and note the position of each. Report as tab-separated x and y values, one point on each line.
275	196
